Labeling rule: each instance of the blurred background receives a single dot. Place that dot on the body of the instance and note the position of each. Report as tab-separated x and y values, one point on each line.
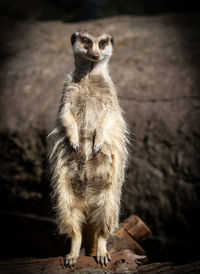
156	69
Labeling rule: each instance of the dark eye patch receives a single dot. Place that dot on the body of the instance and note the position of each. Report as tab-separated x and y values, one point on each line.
103	43
86	41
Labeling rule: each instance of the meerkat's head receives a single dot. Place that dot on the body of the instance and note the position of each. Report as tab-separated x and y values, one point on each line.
92	45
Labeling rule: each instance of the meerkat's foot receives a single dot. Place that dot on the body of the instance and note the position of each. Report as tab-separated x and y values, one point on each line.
102	254
70	260
103	258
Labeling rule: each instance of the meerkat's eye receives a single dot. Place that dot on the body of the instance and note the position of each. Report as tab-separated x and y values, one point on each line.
86	41
103	43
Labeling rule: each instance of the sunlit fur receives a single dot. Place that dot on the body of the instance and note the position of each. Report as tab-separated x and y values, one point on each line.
88	149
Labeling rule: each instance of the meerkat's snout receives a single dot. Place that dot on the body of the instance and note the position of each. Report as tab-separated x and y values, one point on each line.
94	52
95	56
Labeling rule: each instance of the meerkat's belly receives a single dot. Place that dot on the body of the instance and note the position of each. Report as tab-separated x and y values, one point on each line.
93	171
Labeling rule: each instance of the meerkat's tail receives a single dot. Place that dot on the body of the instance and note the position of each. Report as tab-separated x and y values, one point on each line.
90	239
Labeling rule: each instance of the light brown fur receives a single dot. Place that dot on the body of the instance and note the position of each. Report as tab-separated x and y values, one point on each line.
88	149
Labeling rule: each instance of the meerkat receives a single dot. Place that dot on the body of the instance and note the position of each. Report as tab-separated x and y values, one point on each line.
88	151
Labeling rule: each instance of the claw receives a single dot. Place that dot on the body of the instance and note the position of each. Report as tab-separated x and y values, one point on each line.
108	256
74	147
98	259
70	261
97	149
103	260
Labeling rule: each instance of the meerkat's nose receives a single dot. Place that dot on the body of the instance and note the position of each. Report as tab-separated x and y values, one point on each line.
95	55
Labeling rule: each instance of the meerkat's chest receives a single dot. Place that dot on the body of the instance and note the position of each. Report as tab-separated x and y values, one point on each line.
91	100
88	108
94	93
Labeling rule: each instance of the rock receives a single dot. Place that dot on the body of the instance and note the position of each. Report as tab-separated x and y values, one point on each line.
132	231
124	261
155	67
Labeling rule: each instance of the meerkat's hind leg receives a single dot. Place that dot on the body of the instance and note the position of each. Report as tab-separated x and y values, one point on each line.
71	258
75	231
109	210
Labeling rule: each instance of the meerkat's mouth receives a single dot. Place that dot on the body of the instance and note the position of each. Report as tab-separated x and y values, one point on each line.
93	58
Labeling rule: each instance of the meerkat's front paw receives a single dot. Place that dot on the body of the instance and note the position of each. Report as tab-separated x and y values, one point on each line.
97	148
74	147
103	258
70	260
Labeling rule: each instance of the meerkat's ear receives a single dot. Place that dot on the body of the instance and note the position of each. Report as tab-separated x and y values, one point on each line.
112	40
73	37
